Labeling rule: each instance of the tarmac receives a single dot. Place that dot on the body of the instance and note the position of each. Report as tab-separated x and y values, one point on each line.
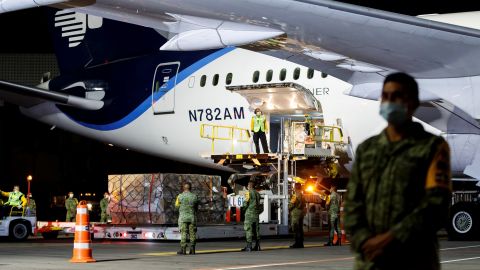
211	255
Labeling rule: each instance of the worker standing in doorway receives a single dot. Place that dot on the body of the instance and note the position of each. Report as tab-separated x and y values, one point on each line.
187	205
251	224
259	127
104	211
297	212
333	204
71	206
400	187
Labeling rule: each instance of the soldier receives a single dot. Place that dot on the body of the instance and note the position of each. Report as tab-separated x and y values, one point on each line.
333	204
400	187
187	204
31	206
104	211
297	212
251	225
71	206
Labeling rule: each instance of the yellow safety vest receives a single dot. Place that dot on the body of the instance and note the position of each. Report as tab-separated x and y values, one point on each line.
15	198
259	123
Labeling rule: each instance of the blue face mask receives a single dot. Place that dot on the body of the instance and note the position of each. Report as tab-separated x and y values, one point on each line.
394	113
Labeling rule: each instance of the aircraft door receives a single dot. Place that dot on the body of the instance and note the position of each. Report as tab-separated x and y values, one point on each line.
163	87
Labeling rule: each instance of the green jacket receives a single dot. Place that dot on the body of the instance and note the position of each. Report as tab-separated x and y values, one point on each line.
187	204
334	205
297	206
403	187
252	206
71	205
104	205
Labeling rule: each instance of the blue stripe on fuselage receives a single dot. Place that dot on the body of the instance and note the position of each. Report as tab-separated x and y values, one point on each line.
147	103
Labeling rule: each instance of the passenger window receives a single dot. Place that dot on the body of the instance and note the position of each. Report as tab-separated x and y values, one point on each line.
324	75
215	79
310	73
191	82
228	79
283	74
269	75
256	76
296	74
203	80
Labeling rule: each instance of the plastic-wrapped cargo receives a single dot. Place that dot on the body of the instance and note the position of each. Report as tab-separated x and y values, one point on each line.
150	198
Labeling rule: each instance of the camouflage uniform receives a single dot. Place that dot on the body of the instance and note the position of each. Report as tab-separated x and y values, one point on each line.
333	215
403	187
252	210
71	205
187	203
297	212
104	213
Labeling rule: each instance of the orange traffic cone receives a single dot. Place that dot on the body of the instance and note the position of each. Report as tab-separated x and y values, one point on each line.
82	251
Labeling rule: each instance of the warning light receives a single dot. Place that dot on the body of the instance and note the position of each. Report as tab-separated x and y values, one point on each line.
309	188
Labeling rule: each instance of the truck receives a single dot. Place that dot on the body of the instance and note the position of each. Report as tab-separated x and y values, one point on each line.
18	227
464	219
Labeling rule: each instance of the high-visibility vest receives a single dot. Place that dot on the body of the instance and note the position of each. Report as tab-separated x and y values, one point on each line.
259	123
15	198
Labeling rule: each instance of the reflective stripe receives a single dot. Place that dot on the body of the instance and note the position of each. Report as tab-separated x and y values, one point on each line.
81	245
82	211
81	228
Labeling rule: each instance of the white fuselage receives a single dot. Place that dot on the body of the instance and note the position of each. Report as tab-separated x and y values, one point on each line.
177	135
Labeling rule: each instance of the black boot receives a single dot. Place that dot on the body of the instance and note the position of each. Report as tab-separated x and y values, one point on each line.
328	244
248	248
257	246
192	250
182	251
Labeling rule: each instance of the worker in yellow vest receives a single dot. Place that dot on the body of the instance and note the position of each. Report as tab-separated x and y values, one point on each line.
15	199
259	128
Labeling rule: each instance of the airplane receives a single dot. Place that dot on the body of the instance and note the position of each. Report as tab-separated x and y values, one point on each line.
176	91
358	45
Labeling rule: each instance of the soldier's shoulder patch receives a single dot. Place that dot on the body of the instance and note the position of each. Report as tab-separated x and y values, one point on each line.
439	172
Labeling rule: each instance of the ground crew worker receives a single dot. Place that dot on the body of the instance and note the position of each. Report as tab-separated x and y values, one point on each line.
333	204
104	210
251	224
31	206
71	206
400	187
16	199
259	127
187	204
297	212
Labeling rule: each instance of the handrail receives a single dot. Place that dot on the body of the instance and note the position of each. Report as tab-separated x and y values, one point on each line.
232	131
331	130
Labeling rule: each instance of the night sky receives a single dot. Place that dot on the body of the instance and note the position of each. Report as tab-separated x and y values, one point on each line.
60	161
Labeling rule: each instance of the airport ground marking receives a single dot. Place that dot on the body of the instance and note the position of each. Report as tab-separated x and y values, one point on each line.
283	264
453	248
227	250
459	260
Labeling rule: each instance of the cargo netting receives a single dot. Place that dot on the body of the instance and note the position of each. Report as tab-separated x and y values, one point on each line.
150	198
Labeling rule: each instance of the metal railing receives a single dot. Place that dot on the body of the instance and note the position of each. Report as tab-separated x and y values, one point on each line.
224	133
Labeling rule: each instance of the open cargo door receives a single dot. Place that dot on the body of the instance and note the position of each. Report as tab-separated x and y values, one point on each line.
278	98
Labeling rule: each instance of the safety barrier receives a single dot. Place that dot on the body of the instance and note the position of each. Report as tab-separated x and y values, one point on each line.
232	133
82	246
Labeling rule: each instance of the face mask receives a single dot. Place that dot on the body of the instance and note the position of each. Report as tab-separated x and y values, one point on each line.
394	113
258	113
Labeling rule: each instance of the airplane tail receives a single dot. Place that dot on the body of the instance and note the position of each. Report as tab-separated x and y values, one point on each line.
83	40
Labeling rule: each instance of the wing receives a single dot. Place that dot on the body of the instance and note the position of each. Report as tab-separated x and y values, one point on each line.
27	96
